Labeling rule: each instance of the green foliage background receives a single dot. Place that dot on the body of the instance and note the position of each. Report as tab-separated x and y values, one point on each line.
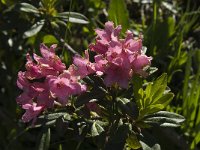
171	31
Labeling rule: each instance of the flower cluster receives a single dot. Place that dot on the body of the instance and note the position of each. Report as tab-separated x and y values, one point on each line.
117	59
45	82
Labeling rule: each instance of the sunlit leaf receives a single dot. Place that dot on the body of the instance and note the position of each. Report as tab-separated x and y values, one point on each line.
73	17
133	142
49	39
118	13
34	29
25	7
165	119
96	129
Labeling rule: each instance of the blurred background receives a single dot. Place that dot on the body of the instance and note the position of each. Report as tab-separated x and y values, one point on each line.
170	31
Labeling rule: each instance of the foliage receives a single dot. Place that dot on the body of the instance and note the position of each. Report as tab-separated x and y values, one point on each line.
131	117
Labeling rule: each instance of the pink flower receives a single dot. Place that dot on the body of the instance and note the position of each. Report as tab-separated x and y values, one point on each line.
30	90
52	59
119	59
118	75
63	86
33	69
54	84
139	63
100	64
38	67
22	82
104	37
50	64
83	66
32	111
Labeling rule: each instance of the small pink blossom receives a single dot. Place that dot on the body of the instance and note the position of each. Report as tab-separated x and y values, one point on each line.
118	75
50	56
100	64
32	111
63	86
33	69
83	66
104	37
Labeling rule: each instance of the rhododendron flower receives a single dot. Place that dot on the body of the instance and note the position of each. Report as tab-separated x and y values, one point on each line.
116	60
32	111
104	37
50	64
64	85
56	83
83	66
119	75
119	59
52	59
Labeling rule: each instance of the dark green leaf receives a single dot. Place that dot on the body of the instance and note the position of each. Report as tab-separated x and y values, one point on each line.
165	119
87	96
118	138
148	142
45	140
52	116
128	107
34	29
73	17
26	8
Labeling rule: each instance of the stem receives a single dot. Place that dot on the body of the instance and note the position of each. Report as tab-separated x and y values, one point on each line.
67	27
155	9
78	146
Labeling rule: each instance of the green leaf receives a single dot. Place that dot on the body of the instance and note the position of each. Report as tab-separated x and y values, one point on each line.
151	109
3	2
164	119
160	81
133	142
155	97
49	39
118	13
96	129
152	70
87	96
195	141
45	140
165	99
25	7
52	116
137	84
119	135
148	142
73	17
128	107
34	29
